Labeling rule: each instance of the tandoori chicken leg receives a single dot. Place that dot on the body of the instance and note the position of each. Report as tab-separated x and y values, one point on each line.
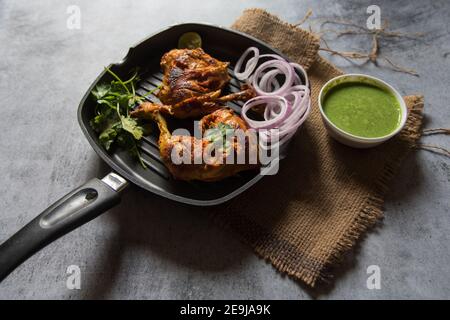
190	149
192	85
193	107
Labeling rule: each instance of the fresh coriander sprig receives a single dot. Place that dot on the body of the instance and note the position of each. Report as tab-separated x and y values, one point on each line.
112	121
219	135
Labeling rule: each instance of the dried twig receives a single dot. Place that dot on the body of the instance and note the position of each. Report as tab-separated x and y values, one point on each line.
374	52
355	29
306	17
346	54
343	22
400	68
432	148
435	131
361	30
343	54
373	55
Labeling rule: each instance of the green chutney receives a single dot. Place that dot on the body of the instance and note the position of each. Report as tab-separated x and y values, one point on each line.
362	109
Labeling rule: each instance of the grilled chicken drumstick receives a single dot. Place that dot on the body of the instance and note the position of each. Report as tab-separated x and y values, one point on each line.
194	107
216	168
190	73
192	84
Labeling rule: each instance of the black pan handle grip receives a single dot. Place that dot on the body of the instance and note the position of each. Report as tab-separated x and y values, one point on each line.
73	210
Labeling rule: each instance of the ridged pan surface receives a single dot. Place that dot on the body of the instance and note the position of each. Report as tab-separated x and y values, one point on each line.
221	43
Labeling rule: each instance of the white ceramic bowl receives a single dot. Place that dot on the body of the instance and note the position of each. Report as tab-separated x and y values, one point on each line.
348	138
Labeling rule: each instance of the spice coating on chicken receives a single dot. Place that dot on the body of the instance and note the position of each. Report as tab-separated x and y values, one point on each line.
213	169
190	73
193	107
192	86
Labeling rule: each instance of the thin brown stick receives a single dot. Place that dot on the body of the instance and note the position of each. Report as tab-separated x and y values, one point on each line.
432	148
398	68
346	32
343	54
342	22
306	17
373	54
361	30
385	34
347	54
429	132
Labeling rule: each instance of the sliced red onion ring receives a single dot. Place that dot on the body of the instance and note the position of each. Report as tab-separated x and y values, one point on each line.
282	67
302	71
274	56
270	101
269	80
249	66
287	105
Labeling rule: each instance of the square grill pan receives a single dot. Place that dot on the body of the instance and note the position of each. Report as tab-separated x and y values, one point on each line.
221	43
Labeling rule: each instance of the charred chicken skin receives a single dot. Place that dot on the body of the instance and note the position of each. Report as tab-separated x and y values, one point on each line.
193	107
190	73
214	168
192	85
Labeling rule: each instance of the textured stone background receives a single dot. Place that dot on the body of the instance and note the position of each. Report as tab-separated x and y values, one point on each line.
149	247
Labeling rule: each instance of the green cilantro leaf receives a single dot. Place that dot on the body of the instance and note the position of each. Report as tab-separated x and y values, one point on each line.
112	122
101	90
130	125
219	135
107	137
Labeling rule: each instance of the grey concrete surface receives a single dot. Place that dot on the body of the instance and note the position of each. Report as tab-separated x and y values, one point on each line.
152	248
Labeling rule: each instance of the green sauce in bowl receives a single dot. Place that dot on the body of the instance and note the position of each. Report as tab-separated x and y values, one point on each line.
362	109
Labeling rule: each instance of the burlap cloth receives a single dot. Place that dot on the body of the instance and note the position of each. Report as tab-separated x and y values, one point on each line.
326	195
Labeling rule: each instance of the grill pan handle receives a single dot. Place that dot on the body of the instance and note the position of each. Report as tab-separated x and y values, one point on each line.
73	210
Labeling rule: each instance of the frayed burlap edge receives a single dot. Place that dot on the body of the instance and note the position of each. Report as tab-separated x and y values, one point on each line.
269	27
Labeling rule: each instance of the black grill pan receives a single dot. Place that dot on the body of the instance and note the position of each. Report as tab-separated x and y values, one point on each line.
93	198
